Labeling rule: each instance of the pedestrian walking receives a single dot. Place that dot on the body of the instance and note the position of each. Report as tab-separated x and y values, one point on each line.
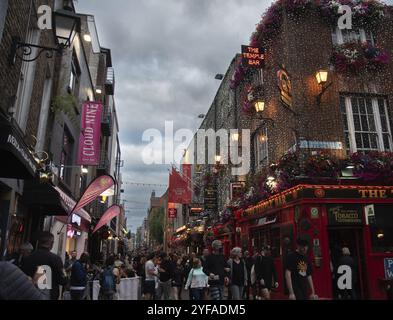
78	281
218	271
266	274
24	251
238	274
197	280
177	281
165	270
151	273
108	280
298	273
347	261
249	260
40	260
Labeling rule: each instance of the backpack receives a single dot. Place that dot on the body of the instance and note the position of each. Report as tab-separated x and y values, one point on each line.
108	281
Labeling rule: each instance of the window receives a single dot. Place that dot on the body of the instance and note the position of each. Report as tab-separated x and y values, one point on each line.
381	229
66	157
349	35
261	148
366	123
73	85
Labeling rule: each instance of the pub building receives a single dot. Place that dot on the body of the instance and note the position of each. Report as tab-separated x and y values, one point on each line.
324	94
329	217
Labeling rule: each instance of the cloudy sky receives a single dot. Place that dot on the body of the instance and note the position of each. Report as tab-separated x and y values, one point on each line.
166	55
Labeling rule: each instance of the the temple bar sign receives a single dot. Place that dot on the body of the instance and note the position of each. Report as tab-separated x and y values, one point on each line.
253	57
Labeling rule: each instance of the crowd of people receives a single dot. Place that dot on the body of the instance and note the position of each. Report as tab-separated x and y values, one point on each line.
163	276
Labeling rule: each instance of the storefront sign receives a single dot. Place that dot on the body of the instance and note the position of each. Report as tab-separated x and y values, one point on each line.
388	264
253	57
210	197
266	220
322	192
340	214
329	145
370	214
172	213
89	141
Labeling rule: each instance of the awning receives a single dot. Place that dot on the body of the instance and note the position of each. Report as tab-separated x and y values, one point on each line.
14	152
69	204
49	200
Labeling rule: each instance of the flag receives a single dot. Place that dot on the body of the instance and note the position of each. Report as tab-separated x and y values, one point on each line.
186	169
95	188
109	214
177	188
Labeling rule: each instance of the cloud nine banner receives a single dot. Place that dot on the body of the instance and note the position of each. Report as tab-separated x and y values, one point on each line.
89	140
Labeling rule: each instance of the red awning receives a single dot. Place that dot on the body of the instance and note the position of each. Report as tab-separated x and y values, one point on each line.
69	203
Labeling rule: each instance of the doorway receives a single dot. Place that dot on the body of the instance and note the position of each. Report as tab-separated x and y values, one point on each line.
351	238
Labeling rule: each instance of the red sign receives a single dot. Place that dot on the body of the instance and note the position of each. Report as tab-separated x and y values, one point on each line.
178	189
109	214
253	57
95	188
89	140
172	213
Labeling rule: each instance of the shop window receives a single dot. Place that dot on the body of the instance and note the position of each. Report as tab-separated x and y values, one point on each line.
352	35
381	229
366	123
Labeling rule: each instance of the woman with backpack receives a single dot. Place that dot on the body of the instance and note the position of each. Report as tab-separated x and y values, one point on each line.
197	280
108	280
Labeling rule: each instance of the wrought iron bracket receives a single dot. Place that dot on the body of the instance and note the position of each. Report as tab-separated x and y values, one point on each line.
324	88
25	51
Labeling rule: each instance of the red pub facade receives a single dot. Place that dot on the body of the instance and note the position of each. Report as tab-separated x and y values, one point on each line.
330	217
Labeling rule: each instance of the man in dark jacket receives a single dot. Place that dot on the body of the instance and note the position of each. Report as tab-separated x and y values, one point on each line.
166	270
348	261
266	274
79	277
43	259
15	285
249	263
217	269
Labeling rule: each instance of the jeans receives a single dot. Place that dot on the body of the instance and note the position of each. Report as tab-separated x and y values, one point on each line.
237	292
197	293
164	288
216	292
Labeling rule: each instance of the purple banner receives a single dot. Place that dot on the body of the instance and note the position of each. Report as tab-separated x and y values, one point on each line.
89	141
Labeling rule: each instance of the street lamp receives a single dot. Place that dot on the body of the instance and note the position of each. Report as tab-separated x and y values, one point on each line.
65	25
322	77
259	105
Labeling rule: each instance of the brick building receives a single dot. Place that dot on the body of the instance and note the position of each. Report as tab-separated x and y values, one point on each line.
41	106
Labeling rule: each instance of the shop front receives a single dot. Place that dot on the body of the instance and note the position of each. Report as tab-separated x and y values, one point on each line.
330	217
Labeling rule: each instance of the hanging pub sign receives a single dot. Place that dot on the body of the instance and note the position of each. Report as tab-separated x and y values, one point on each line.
253	57
285	87
172	213
344	215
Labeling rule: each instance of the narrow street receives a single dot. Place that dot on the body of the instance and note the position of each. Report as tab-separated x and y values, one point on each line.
220	146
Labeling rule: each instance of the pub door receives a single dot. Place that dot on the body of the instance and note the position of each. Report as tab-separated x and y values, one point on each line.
350	237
